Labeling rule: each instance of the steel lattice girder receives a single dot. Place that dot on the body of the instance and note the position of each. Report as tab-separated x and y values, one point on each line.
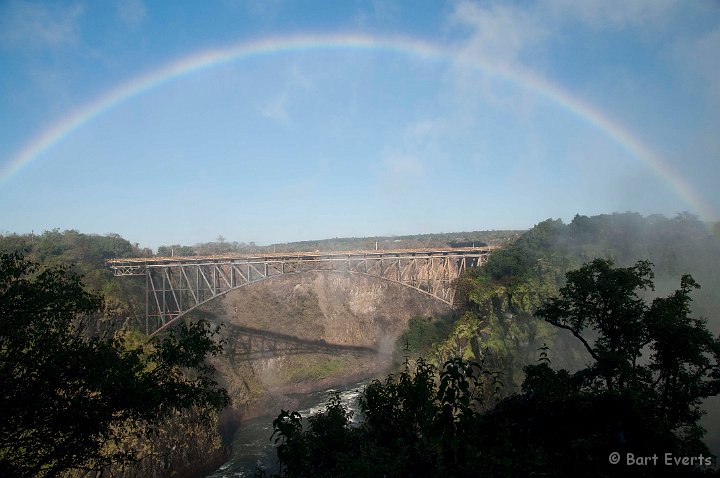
178	285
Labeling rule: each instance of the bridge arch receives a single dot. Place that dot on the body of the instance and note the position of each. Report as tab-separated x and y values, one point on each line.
174	320
178	285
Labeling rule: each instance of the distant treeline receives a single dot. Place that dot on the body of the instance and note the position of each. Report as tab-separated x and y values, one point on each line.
418	241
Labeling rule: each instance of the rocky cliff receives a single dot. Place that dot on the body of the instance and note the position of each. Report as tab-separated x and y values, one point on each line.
323	329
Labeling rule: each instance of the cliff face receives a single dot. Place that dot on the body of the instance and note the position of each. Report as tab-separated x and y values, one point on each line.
323	328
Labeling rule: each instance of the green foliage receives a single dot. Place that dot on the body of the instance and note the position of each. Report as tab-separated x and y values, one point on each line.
86	254
497	302
454	423
312	368
654	359
67	400
684	358
318	451
605	299
415	425
518	262
86	251
422	333
683	366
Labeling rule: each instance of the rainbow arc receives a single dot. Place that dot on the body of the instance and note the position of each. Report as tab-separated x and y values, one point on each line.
204	60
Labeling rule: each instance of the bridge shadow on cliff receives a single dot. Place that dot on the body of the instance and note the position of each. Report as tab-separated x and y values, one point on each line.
247	343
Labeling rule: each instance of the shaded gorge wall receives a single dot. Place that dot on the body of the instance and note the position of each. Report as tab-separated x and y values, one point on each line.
306	332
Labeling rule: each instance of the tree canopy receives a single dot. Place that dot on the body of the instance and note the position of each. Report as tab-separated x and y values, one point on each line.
68	399
495	303
655	352
652	366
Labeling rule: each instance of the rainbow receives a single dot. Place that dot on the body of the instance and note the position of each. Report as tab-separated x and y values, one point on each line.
408	46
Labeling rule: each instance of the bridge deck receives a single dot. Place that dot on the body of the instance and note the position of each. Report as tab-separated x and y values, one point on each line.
175	286
285	256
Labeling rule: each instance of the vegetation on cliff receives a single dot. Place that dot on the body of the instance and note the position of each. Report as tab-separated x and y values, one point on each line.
86	254
639	397
497	302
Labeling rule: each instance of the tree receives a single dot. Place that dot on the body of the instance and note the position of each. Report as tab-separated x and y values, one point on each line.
418	424
685	358
682	358
67	399
652	366
605	300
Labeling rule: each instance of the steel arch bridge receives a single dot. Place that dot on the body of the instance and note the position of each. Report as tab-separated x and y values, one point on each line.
174	286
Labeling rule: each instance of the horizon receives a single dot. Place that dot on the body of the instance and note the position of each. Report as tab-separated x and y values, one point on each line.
271	122
225	240
255	243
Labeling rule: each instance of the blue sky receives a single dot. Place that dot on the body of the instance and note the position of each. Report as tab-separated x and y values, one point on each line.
502	115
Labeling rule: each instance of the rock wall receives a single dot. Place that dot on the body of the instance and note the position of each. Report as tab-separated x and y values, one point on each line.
323	309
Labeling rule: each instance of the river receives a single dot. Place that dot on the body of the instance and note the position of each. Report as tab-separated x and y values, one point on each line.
252	447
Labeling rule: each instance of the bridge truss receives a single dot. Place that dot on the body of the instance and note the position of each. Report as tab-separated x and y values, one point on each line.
176	285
